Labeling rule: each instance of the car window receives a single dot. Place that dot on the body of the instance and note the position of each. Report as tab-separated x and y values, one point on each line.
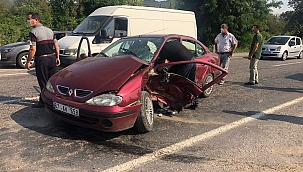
292	42
200	51
190	45
194	47
298	41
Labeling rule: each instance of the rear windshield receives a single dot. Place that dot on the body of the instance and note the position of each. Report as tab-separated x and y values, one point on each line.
278	40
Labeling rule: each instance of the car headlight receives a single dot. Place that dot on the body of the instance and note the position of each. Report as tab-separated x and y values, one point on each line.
278	48
7	50
105	100
49	87
70	52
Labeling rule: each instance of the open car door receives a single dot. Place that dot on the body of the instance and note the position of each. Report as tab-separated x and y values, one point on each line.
175	90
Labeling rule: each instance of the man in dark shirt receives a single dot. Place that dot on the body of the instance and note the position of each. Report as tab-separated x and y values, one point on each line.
255	55
174	51
42	44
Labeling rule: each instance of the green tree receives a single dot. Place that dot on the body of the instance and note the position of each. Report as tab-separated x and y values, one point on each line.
239	15
13	25
294	18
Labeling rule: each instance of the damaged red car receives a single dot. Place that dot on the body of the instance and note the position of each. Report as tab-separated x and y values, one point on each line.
115	90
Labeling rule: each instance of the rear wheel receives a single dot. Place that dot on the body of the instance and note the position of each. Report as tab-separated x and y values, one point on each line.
300	55
208	78
145	119
22	59
284	56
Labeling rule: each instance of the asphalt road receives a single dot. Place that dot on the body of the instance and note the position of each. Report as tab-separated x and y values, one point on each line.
238	128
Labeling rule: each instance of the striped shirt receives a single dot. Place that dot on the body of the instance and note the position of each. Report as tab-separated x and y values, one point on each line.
43	38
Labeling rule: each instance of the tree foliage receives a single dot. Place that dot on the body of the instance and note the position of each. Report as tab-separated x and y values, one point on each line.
239	15
294	18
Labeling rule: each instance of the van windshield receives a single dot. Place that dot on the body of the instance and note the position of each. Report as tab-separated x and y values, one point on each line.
90	25
278	40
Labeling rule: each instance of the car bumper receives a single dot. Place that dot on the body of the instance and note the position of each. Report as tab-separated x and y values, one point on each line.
113	118
6	58
271	54
67	60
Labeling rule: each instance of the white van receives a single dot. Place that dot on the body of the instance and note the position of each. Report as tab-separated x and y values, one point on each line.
107	24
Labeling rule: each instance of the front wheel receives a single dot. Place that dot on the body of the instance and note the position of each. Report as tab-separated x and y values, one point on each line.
206	93
145	119
284	56
22	59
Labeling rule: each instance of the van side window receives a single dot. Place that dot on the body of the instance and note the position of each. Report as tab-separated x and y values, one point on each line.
120	27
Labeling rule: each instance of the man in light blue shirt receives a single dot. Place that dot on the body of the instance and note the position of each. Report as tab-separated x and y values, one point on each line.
225	46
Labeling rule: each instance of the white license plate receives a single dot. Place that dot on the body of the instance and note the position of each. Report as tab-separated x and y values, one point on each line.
66	109
266	52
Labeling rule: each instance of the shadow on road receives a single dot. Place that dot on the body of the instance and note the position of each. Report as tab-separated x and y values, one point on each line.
260	86
284	118
39	120
298	77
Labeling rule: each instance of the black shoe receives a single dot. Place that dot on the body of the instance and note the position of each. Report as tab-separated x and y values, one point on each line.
256	82
249	83
38	105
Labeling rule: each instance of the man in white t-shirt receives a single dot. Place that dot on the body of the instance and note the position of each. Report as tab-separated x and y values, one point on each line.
225	46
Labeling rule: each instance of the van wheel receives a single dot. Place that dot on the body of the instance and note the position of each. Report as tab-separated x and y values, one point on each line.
145	119
284	56
22	59
300	55
208	78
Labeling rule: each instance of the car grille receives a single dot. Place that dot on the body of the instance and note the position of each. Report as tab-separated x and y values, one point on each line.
79	93
82	93
62	89
269	49
61	52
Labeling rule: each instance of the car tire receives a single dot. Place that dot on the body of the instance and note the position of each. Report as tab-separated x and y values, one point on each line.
208	78
145	119
21	60
300	55
284	56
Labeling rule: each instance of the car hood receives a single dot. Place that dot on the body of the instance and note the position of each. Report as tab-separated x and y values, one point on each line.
14	44
98	74
69	42
271	46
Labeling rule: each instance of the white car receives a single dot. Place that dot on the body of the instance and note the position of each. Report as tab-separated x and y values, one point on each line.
282	47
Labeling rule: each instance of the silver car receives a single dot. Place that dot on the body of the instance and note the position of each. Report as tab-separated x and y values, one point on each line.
17	53
282	47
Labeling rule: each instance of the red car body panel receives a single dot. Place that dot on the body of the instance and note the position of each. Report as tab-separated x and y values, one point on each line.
126	76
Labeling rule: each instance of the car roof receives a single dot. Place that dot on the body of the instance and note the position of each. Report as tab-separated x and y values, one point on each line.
284	36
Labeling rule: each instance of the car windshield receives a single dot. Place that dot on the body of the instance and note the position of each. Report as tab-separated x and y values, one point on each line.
143	48
91	24
278	40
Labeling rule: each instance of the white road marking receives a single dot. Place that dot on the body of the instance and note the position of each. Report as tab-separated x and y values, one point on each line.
287	64
13	74
19	100
191	141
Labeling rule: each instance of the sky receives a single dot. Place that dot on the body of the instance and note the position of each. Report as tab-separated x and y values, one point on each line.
283	8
